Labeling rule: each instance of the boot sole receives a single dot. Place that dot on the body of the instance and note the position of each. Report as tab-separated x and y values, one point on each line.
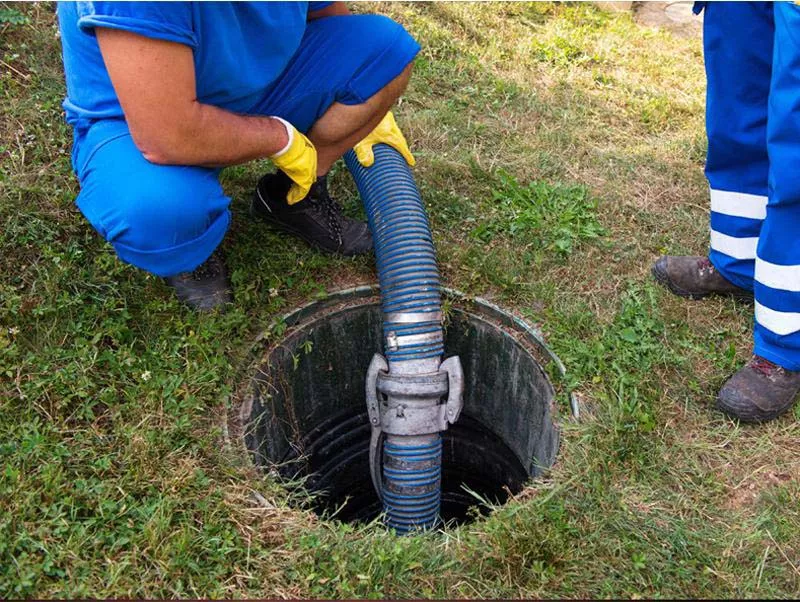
281	227
664	280
205	298
750	414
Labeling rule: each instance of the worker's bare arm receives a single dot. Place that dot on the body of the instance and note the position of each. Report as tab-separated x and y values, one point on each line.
155	83
332	10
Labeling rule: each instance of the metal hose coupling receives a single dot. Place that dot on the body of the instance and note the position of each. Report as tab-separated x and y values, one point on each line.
404	410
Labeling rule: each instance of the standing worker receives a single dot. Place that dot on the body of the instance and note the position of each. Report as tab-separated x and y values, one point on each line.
752	58
162	95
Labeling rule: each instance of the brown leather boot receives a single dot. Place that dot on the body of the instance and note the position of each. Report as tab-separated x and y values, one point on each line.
694	277
759	392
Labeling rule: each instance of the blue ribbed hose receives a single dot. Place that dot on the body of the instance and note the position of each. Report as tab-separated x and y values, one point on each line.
411	303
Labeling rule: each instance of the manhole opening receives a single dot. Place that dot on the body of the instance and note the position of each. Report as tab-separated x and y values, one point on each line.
304	413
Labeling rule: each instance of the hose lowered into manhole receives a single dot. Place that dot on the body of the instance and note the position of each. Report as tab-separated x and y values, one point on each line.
411	394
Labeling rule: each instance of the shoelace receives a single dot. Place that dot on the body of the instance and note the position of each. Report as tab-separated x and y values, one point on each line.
330	210
208	269
763	366
704	265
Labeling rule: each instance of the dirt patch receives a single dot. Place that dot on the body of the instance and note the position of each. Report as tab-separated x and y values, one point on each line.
746	493
675	16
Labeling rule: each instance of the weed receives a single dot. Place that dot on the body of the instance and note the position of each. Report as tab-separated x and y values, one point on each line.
544	216
560	51
11	16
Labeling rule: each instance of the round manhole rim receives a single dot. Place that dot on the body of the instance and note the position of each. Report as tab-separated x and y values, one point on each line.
240	402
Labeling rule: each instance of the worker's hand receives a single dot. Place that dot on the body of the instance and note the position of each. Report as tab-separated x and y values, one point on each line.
298	160
387	132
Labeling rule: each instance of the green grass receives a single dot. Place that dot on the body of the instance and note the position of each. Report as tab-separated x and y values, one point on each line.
560	151
550	218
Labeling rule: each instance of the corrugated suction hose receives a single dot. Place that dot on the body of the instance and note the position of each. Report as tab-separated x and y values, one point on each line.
411	394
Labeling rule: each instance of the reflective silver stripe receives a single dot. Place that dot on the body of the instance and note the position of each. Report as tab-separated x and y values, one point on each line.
738	204
413	318
739	248
779	322
261	198
781	277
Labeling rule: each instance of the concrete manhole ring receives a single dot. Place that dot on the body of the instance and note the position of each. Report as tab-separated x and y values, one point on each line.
301	414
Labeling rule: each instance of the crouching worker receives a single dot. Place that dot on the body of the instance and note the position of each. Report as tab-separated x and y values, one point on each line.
162	95
752	56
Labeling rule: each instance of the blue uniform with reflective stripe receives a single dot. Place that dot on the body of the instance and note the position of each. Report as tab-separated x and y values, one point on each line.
259	58
752	56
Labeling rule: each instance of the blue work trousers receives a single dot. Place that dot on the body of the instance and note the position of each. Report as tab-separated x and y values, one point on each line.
752	58
168	219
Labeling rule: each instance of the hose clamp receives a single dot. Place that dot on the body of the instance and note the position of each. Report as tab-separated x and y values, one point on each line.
395	341
412	317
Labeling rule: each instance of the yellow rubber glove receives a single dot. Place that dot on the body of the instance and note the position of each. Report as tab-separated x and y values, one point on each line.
387	132
298	160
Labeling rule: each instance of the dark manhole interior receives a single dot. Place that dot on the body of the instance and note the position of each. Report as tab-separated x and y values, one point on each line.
304	414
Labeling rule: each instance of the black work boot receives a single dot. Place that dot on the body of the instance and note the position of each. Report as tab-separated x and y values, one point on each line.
317	219
695	277
206	287
759	392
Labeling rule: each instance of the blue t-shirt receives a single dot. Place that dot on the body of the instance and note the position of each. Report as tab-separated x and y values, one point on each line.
239	47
